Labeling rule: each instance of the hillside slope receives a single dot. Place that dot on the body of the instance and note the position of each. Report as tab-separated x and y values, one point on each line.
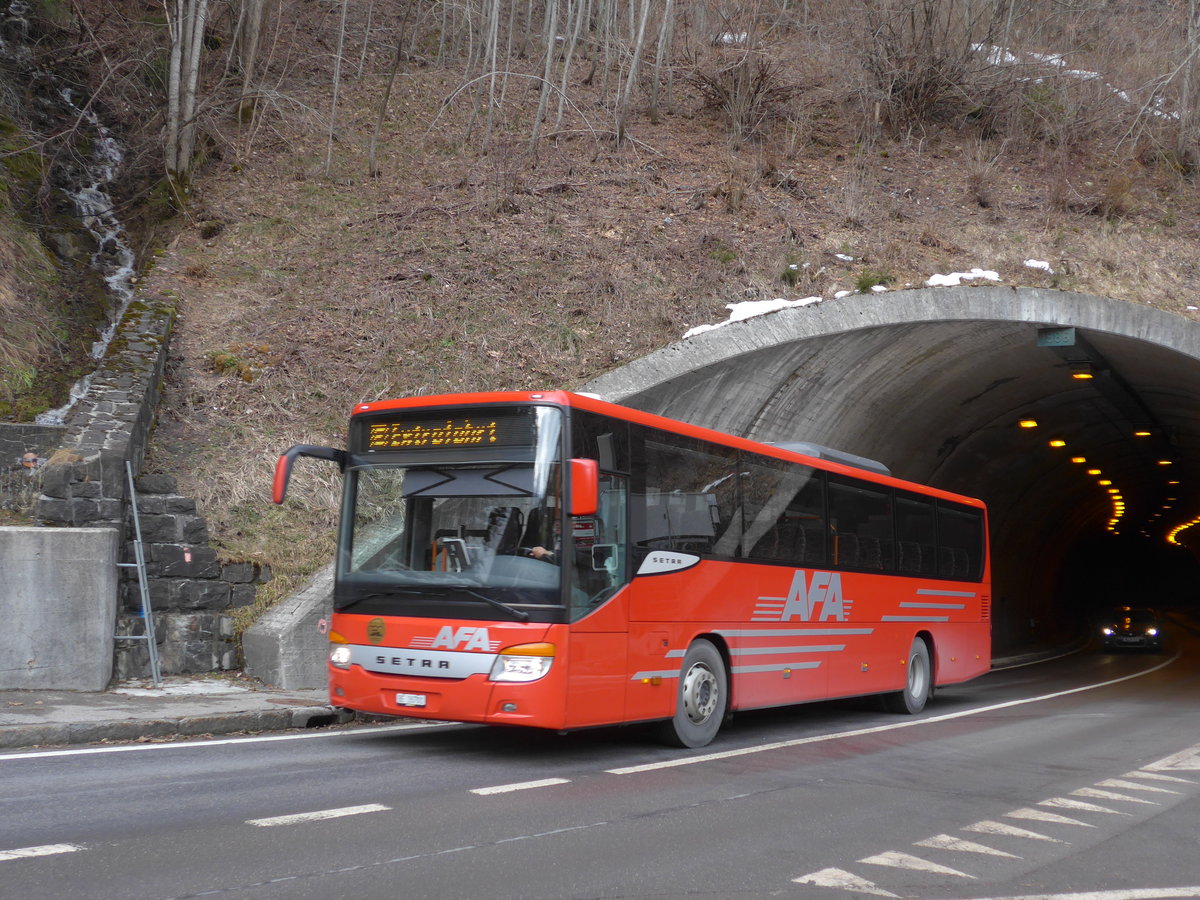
471	262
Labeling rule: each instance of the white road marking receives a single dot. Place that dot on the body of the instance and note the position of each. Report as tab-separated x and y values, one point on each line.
907	861
44	850
1097	794
949	842
1133	786
520	786
1127	894
989	827
1068	803
879	729
319	815
1039	815
839	878
1185	760
1157	776
220	742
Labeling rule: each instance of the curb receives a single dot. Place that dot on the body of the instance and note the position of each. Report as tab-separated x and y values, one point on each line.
64	733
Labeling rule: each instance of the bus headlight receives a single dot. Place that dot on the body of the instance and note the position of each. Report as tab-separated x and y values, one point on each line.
339	656
524	662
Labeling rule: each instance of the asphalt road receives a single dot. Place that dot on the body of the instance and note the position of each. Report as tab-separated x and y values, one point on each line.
1078	777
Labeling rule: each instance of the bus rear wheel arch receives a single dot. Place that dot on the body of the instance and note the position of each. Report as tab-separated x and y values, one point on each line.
701	697
918	681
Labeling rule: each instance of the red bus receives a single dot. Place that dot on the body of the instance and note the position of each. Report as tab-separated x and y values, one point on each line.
556	561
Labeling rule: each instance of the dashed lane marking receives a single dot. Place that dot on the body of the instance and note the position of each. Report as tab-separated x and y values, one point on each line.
1097	794
989	827
898	860
1121	784
44	850
950	842
520	786
1040	815
840	878
319	815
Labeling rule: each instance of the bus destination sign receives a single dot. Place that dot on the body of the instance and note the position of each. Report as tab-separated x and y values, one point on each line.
449	433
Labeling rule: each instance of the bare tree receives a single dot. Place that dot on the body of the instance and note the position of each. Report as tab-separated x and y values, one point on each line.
185	19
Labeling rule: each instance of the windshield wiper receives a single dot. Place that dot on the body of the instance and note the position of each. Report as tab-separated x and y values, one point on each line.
518	614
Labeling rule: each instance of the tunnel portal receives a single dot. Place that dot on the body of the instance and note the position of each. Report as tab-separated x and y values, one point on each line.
1074	417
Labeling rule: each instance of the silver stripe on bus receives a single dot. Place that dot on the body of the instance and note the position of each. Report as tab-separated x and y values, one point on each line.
934	592
916	618
764	651
669	673
774	667
910	605
790	632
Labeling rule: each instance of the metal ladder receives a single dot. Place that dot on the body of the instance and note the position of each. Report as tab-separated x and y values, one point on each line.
139	563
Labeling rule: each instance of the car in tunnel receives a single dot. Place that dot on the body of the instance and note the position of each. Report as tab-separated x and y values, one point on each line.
1132	627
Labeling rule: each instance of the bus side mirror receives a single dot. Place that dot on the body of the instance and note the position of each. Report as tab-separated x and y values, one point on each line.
283	466
585	487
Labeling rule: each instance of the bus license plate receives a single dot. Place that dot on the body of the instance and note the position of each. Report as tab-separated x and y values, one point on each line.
410	699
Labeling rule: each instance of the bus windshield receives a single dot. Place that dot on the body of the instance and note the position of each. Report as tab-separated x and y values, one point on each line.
471	531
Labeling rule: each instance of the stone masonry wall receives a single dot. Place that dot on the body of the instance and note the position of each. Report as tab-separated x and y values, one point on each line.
84	483
191	592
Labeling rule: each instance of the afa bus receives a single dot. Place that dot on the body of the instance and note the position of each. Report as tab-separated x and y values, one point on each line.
556	561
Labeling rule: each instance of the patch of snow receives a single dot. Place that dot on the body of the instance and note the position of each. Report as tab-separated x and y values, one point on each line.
956	278
1039	264
751	308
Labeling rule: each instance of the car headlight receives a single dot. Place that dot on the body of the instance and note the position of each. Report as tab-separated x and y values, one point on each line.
524	662
1107	630
339	656
1152	631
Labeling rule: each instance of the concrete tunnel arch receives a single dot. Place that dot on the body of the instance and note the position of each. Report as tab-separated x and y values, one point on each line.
933	382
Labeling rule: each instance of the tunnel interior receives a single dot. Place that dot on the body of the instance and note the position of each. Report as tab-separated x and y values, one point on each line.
1072	417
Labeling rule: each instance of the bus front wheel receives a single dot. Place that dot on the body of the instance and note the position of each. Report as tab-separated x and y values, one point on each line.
918	683
701	699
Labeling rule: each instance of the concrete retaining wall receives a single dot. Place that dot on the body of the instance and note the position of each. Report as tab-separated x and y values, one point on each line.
58	603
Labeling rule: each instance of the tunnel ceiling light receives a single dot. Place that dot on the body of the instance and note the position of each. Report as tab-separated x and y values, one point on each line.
1027	423
1104	481
1082	371
1164	462
1058	442
1142	433
1078	459
1093	471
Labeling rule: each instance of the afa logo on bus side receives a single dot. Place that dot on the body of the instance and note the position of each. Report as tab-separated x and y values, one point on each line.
815	599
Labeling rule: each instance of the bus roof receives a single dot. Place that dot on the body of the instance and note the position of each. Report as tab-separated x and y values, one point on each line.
815	455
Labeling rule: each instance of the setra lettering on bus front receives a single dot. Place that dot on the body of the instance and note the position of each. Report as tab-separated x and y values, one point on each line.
815	599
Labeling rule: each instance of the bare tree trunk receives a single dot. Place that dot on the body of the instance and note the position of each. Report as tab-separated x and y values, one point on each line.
575	15
372	167
664	42
550	30
337	85
175	20
246	41
639	45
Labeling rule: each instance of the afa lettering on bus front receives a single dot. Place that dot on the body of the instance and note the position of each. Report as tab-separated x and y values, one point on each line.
817	598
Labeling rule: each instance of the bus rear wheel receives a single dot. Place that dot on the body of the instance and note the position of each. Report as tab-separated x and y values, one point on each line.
918	684
701	699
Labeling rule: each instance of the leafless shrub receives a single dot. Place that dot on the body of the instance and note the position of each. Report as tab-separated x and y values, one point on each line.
981	174
746	85
924	57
